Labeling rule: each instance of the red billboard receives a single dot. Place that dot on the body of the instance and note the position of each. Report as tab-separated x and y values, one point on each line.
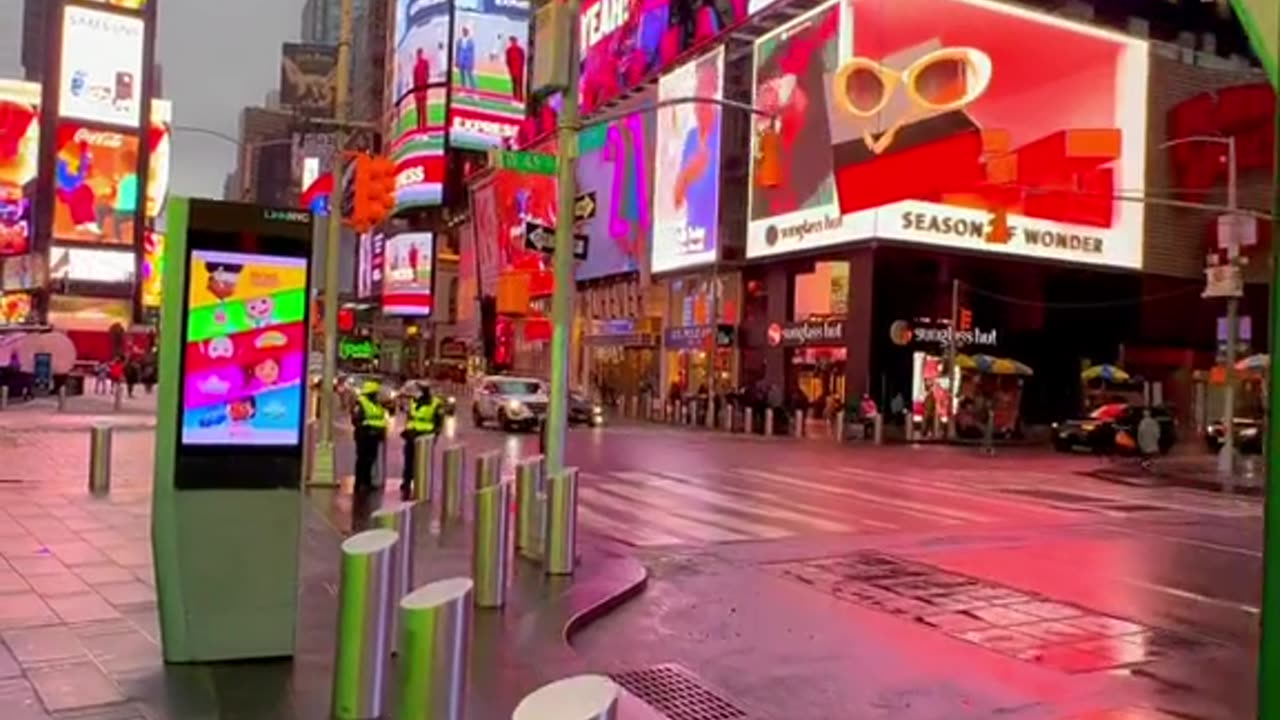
19	163
944	115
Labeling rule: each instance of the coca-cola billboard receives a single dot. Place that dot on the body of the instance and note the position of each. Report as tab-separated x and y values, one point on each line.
95	185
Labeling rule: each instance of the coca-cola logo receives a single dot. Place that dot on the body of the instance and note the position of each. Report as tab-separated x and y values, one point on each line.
99	138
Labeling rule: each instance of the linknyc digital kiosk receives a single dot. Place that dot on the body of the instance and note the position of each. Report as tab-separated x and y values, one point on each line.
227	507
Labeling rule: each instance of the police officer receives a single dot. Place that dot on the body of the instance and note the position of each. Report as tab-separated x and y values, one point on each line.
369	419
426	416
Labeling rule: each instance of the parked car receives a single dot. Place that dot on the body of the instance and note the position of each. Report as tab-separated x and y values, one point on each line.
584	411
1098	431
512	403
1248	436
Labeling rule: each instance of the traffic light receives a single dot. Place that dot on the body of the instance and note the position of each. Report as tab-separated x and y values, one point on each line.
998	233
769	158
373	191
966	319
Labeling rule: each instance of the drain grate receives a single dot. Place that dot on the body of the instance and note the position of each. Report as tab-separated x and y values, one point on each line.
677	693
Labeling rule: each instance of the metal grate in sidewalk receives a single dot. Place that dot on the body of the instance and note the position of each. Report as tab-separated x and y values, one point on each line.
677	693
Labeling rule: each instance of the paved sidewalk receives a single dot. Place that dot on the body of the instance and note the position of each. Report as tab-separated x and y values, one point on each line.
79	635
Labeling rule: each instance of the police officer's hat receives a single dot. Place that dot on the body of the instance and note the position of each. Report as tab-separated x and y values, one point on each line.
370	386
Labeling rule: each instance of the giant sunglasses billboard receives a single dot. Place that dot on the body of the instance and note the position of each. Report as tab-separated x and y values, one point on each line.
938	116
419	95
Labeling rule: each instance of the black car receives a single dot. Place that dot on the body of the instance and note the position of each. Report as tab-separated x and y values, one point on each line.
1248	436
582	411
1099	432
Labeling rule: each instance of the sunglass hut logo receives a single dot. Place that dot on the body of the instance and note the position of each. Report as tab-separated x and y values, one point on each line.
902	332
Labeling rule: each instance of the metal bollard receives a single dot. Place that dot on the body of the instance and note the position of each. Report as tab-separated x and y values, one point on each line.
711	413
877	429
4	397
398	518
100	459
679	419
529	508
561	534
451	462
488	469
435	639
797	422
119	399
748	421
633	407
363	599
424	450
839	429
591	697
491	548
768	422
379	478
62	398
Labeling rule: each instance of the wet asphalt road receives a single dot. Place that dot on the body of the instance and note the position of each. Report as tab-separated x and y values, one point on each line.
723	522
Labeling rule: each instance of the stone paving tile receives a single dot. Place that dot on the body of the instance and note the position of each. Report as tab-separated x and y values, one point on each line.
56	585
77	552
25	610
1049	610
954	623
1056	632
103	538
1001	640
83	607
9	667
11	582
30	566
127	593
133	553
19	700
124	652
1002	616
74	685
1105	626
106	573
41	645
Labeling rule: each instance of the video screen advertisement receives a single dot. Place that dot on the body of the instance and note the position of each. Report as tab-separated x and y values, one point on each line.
101	66
1013	112
419	90
490	54
686	197
19	163
624	42
407	279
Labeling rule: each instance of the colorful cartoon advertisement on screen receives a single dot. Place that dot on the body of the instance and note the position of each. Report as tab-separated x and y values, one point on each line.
246	351
419	95
686	196
490	52
616	163
19	163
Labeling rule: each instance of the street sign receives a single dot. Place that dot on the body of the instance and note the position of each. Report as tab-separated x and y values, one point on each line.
526	162
1236	232
584	207
540	238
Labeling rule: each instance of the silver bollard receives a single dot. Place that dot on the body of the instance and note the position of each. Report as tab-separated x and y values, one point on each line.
839	429
451	461
379	478
424	450
363	599
729	414
798	424
680	415
633	407
711	413
491	548
118	402
748	421
62	398
435	643
4	397
398	518
582	697
529	508
877	429
100	459
488	469
768	422
561	534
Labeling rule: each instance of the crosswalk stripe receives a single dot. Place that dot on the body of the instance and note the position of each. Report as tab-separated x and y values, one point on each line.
665	520
724	520
930	512
978	494
788	499
629	533
716	498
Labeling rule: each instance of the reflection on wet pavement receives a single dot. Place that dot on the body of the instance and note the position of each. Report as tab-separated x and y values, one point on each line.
1021	625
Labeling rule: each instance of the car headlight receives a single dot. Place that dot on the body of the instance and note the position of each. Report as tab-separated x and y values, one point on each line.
597	410
1088	427
515	407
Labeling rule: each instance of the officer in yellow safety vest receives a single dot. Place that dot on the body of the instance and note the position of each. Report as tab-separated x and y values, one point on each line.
426	416
369	419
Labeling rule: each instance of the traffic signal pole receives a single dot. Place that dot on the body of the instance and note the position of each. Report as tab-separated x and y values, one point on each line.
322	463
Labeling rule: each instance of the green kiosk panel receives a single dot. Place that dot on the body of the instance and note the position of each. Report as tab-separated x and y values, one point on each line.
227	506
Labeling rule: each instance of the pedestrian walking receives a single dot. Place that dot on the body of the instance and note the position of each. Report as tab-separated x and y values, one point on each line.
101	383
1148	440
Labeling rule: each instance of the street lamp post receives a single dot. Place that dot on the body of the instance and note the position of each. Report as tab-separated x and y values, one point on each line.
1227	456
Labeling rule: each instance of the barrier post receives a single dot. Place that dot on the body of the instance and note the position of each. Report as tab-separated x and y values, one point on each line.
560	546
490	550
4	397
582	697
435	644
118	402
798	423
711	413
878	429
424	450
100	459
452	462
62	398
768	422
529	506
398	518
839	430
488	469
748	420
363	598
